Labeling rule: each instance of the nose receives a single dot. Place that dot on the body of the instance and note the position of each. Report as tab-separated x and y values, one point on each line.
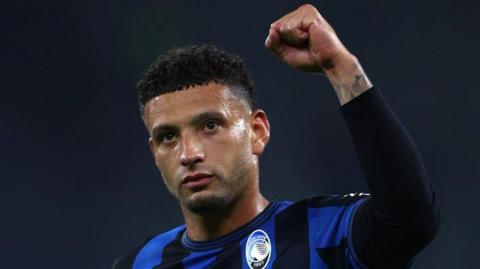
192	151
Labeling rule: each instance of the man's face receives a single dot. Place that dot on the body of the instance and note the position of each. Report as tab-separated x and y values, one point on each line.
203	144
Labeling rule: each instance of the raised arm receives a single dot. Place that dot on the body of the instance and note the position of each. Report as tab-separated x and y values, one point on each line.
400	218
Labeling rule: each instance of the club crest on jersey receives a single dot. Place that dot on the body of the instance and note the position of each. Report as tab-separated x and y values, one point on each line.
258	249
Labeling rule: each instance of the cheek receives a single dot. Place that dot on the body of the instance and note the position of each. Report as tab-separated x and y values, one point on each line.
235	139
239	135
234	146
166	166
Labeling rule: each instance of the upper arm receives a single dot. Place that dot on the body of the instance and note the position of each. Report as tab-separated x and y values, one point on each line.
384	243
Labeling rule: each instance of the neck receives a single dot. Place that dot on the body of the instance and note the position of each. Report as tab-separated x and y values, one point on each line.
215	223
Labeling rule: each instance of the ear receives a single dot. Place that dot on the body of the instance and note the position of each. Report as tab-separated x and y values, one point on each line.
260	131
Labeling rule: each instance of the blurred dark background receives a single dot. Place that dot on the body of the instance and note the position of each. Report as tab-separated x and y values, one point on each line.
78	186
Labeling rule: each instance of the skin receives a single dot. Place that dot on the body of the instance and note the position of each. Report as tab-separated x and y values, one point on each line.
230	148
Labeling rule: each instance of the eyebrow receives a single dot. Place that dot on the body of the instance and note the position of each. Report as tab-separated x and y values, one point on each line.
197	119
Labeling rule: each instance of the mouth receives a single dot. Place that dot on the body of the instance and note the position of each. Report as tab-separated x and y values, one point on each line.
197	181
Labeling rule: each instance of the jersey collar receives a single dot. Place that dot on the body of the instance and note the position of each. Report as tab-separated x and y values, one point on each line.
233	236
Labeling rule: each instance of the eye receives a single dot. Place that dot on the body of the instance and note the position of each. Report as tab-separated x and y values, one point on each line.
166	138
211	126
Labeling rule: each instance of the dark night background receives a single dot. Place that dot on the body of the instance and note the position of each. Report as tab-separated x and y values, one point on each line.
78	186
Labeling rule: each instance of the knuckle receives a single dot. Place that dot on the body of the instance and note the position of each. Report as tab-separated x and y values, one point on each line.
307	6
317	20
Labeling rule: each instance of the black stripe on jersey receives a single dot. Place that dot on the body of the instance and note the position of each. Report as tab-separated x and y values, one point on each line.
230	257
335	200
173	254
291	227
334	256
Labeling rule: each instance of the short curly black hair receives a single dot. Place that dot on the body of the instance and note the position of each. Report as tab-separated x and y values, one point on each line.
193	65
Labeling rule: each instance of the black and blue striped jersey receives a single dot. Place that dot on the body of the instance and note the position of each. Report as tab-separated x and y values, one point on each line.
312	233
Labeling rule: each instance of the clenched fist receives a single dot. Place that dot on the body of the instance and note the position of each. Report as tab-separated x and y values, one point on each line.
305	40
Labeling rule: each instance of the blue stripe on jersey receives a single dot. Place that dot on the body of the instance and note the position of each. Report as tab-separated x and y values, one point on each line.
243	246
199	260
151	254
327	227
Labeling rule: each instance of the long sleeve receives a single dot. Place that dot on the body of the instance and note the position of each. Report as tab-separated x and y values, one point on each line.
401	217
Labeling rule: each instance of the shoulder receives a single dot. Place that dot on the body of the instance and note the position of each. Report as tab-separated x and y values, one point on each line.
335	200
320	201
319	211
333	213
322	224
148	250
327	214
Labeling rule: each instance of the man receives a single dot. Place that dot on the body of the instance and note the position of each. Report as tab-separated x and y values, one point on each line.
206	136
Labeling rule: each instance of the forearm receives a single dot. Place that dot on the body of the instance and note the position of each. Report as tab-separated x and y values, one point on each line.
347	77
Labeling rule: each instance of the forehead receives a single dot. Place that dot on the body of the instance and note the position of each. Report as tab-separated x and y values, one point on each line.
178	106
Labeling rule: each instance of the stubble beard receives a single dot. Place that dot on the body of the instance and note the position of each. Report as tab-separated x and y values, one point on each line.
206	203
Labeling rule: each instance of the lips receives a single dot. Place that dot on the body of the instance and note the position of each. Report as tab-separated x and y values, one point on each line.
197	180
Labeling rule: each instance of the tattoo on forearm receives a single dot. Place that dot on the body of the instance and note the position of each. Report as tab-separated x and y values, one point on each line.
349	83
359	84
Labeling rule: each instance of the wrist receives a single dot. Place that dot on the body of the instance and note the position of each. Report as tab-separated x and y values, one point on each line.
340	67
347	77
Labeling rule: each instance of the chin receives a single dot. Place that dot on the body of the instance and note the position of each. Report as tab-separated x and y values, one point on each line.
206	201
